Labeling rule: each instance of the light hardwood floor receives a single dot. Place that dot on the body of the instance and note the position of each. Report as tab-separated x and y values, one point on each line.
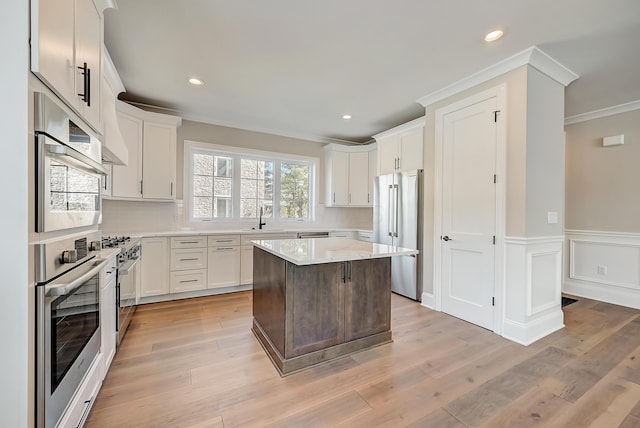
195	363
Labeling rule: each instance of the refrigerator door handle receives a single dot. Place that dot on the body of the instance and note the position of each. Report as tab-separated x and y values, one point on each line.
395	201
390	221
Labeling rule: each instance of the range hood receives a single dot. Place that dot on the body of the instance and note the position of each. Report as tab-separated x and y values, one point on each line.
114	149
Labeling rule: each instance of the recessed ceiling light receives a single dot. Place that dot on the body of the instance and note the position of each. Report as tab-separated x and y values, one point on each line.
346	116
195	81
494	35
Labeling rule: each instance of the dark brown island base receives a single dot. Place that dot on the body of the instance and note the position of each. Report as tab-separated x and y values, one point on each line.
318	310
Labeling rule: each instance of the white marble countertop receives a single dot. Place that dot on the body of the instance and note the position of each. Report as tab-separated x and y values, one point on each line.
325	250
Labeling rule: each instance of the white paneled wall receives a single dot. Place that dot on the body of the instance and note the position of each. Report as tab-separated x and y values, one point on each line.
603	266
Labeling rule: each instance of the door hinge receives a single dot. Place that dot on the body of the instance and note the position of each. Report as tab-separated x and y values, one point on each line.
495	115
495	179
493	301
494	239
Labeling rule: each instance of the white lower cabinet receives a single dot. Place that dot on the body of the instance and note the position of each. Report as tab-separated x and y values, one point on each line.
246	256
224	267
108	314
365	236
343	234
188	280
154	267
246	264
86	394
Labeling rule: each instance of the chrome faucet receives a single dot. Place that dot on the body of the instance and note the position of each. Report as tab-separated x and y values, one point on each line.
260	223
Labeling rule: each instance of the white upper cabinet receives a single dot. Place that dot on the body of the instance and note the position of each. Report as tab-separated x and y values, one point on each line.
338	172
66	35
401	148
348	171
151	141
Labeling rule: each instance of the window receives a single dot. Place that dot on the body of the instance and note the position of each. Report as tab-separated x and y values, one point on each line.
225	184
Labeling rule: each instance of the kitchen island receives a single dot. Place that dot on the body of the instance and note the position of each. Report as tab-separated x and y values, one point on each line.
319	299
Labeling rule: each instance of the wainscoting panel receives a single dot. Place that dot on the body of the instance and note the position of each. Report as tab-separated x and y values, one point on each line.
533	288
603	266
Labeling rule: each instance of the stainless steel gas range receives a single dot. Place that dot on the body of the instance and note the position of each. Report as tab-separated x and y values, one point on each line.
128	276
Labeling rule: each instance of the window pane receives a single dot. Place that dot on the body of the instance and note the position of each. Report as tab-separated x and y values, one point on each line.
248	208
222	208
202	207
223	166
294	190
256	187
222	187
202	186
202	164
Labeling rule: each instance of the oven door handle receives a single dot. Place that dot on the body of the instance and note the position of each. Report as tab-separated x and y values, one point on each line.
66	289
127	267
81	160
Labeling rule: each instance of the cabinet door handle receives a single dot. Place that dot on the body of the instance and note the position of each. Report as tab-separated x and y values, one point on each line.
188	242
190	259
344	272
171	191
86	82
141	187
224	240
188	280
225	248
334	197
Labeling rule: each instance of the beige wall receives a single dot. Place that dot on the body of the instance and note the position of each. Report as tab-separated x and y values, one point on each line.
545	155
602	183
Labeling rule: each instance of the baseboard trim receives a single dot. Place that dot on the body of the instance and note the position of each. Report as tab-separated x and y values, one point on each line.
428	301
603	293
527	333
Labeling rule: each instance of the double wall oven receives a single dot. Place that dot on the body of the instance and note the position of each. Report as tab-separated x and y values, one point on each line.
67	267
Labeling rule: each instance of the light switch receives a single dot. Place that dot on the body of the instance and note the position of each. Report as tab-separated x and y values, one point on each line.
552	217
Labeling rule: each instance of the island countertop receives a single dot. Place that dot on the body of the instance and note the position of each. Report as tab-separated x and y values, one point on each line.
326	250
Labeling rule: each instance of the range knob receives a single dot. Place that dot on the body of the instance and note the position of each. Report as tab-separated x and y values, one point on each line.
95	246
69	256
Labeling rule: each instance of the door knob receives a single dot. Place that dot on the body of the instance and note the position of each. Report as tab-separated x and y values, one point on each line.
445	238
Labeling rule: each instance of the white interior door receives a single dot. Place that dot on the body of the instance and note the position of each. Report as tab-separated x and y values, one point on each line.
469	212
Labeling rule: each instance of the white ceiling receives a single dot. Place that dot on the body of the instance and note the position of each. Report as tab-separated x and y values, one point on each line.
294	67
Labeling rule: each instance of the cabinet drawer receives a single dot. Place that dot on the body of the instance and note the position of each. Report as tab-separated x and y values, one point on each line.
188	242
188	280
340	234
365	236
80	406
224	240
188	258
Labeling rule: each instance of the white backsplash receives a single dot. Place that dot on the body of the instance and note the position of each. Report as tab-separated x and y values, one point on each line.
131	217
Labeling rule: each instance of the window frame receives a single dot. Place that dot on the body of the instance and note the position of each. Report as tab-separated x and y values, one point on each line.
237	154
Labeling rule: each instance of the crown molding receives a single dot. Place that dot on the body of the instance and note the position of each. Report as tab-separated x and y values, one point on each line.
532	56
236	125
111	75
604	112
102	5
415	123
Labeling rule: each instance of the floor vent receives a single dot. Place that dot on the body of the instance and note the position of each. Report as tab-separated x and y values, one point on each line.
566	301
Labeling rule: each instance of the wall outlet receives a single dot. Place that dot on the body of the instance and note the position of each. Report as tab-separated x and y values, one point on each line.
552	217
602	270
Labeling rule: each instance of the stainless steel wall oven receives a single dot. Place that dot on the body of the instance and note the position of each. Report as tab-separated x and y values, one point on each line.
67	320
68	169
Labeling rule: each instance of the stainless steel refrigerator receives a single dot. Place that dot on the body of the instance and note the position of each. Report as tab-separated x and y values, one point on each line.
397	220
